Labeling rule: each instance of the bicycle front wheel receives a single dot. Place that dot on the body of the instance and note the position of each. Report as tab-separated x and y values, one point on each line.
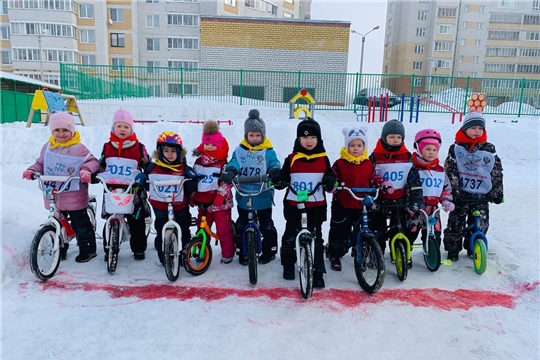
92	216
433	256
306	268
369	266
171	254
114	247
196	261
479	255
44	260
252	256
401	260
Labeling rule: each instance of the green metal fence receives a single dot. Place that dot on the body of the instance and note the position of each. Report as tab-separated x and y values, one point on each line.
15	106
333	91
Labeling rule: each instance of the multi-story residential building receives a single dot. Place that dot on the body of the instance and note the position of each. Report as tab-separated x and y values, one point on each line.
36	35
497	38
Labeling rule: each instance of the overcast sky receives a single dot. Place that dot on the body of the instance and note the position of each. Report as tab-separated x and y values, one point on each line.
364	15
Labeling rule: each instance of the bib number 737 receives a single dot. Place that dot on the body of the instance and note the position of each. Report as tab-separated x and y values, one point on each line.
472	184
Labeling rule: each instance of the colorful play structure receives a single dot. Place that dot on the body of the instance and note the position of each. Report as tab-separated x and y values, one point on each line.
50	102
228	122
294	108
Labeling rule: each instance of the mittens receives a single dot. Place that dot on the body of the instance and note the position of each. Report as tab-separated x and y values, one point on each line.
228	175
387	187
329	182
27	174
140	179
447	206
85	176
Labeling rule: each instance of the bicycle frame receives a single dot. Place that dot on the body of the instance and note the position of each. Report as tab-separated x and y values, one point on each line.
400	235
431	220
55	217
474	228
251	224
169	198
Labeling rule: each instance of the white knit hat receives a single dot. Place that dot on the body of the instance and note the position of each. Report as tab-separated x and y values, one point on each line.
473	118
353	133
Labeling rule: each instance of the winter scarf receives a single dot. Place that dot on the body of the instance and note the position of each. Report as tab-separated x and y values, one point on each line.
423	164
266	144
461	137
122	143
380	148
347	156
220	154
74	140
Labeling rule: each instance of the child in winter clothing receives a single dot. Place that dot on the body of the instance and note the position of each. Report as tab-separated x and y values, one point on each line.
393	162
352	169
255	156
436	186
125	152
213	194
64	154
308	164
169	162
476	173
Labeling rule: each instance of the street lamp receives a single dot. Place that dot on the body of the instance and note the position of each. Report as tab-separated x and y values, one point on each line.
40	54
363	42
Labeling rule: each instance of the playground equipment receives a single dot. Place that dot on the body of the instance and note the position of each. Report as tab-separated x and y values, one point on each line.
382	103
477	102
51	102
446	107
228	122
294	108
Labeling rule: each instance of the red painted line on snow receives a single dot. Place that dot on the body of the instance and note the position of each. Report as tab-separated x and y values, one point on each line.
460	299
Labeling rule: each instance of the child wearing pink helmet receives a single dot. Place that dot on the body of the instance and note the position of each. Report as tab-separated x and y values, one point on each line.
436	186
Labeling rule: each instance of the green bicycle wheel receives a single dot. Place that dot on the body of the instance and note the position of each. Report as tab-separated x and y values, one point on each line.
479	256
433	257
401	260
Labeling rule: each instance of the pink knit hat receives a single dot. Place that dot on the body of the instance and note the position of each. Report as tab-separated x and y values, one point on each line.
123	116
211	134
62	120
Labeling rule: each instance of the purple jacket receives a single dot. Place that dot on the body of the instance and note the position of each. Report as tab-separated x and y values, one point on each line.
70	200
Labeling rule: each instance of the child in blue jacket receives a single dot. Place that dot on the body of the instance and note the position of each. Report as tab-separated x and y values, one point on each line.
255	156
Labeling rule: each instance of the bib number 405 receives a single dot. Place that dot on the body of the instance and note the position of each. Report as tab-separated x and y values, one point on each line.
393	175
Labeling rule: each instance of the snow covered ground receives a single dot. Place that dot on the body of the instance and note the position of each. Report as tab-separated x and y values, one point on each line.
85	313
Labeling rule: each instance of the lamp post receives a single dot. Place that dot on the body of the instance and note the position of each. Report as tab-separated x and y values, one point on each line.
40	55
433	62
363	42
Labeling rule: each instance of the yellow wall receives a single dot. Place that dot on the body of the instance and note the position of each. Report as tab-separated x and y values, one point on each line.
231	9
243	33
125	25
121	50
287	5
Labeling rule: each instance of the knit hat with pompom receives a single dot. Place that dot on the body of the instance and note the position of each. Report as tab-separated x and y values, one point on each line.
211	134
254	124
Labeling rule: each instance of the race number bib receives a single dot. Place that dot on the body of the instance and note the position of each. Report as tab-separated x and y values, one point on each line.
166	189
120	169
252	163
210	182
395	173
62	165
474	170
432	183
306	181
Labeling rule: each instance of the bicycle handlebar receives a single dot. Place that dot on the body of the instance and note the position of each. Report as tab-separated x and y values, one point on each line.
65	180
251	179
157	183
351	191
105	183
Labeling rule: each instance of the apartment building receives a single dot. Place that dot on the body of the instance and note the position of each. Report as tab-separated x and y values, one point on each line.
36	35
497	38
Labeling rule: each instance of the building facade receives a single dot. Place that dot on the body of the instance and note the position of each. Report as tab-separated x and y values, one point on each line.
36	35
497	38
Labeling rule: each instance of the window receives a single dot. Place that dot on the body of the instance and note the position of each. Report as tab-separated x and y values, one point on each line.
230	2
152	1
531	19
423	1
65	5
419	49
422	15
445	29
503	35
116	62
446	12
287	15
417	82
5	32
528	69
185	64
464	24
262	6
505	18
502	68
6	57
389	23
87	37
477	42
152	21
182	20
88	59
417	65
152	44
46	29
388	54
116	15
182	43
536	5
475	59
531	52
462	42
461	58
466	8
117	40
86	11
420	32
459	73
386	69
442	63
532	36
4	11
189	89
292	2
155	90
501	51
150	65
443	46
479	25
481	8
507	4
473	74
